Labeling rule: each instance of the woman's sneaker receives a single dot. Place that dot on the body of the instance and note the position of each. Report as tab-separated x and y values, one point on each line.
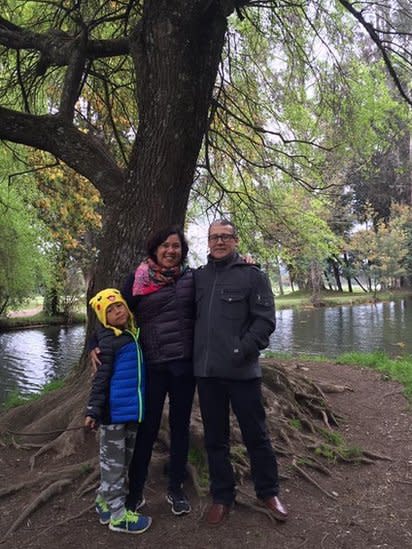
102	509
130	523
179	502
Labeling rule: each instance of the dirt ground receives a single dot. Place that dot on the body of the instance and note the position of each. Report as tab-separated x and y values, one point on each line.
371	507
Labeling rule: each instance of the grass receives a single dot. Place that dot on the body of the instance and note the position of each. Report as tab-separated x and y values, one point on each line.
40	319
197	458
15	398
279	355
397	369
333	298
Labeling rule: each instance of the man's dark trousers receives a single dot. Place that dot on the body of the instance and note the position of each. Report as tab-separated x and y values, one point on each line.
245	396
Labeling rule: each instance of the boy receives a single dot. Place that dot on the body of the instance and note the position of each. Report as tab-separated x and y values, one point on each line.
116	403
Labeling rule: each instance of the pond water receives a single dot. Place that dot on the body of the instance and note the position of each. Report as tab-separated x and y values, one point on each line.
335	330
33	357
30	358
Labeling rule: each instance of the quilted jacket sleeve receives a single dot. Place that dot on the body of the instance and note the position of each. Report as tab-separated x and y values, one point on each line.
99	394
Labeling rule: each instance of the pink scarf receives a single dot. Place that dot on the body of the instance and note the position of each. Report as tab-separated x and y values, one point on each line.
150	277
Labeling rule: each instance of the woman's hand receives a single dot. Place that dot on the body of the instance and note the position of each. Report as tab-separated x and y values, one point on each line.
90	423
95	362
247	258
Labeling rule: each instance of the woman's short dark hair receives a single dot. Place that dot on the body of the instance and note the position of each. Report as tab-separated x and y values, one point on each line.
161	235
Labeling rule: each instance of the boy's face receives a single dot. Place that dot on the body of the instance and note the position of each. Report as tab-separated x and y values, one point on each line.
117	315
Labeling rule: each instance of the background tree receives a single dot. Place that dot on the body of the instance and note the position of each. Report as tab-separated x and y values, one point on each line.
24	262
71	214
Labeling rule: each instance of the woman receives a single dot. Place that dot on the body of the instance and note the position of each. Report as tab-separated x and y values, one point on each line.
160	293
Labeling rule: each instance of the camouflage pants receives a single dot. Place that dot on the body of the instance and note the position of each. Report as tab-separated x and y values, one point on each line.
116	450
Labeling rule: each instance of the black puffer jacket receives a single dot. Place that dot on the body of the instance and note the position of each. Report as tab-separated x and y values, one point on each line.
235	315
165	318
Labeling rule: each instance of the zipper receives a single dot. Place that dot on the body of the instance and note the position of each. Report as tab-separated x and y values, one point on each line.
139	372
208	320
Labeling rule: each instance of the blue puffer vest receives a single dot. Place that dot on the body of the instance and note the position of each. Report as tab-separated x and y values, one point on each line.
127	385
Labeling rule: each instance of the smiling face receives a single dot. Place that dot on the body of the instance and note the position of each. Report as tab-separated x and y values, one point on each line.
169	253
222	241
117	315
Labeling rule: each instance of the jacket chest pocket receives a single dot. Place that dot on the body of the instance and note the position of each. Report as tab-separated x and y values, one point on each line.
233	304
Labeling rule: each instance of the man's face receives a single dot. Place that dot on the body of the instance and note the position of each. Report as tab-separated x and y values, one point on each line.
221	241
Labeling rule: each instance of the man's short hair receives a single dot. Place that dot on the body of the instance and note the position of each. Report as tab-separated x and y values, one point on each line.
223	221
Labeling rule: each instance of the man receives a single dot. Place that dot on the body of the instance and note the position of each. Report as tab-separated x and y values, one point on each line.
235	317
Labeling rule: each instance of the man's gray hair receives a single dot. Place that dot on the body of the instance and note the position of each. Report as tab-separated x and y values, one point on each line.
223	221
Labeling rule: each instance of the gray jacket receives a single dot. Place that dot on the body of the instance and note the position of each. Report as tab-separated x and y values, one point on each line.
235	315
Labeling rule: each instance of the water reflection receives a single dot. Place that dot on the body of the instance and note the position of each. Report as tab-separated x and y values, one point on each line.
30	358
331	331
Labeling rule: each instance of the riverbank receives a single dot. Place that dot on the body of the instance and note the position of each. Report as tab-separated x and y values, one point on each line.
35	318
331	298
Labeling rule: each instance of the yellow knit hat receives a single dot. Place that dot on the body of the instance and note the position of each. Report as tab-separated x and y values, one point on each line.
102	300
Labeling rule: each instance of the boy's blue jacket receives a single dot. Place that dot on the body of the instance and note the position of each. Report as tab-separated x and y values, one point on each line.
117	393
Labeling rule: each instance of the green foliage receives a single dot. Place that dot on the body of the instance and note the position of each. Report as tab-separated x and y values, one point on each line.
335	447
71	214
326	451
332	437
296	424
23	261
198	459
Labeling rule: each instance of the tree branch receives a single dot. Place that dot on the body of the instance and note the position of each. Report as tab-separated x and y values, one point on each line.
73	77
57	46
374	34
81	151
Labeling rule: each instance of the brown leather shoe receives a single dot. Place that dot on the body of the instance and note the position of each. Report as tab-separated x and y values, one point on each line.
276	507
217	513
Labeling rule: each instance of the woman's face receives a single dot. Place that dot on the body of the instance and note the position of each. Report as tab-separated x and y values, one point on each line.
169	253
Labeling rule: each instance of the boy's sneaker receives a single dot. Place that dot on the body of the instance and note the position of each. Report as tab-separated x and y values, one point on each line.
179	502
130	523
102	509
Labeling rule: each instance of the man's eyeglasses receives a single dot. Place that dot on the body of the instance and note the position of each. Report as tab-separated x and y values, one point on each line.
223	237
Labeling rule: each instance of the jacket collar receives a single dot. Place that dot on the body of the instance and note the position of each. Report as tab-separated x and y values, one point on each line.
225	261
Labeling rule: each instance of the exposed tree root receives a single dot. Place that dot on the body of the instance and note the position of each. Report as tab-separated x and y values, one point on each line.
69	472
245	498
309	478
90	482
42	498
374	455
66	520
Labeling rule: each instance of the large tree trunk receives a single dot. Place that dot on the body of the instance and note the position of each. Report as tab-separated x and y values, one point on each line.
176	57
